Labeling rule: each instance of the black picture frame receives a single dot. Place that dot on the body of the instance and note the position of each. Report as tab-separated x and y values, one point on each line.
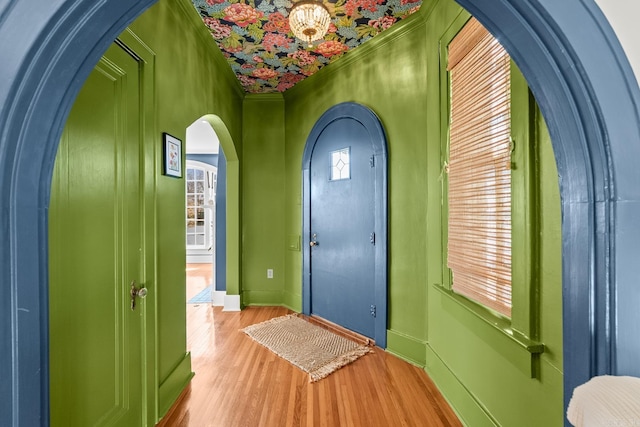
172	155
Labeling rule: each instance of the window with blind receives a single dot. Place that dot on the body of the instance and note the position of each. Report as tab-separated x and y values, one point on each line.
479	168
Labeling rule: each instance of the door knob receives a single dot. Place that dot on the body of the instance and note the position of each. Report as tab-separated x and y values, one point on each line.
136	292
313	241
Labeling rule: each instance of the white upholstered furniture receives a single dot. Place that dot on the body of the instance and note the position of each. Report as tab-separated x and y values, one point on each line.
606	401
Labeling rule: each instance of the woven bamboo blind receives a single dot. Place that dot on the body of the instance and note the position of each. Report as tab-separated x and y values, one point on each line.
479	253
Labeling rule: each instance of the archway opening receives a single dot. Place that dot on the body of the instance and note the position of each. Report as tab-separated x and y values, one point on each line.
588	116
561	49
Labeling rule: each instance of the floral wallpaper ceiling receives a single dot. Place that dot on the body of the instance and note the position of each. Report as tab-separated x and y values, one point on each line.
255	37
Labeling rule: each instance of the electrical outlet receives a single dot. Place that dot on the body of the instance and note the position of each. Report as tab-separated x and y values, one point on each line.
270	273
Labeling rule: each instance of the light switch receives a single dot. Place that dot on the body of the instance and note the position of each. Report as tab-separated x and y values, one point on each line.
293	242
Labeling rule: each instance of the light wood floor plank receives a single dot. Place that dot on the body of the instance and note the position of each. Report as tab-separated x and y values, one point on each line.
240	383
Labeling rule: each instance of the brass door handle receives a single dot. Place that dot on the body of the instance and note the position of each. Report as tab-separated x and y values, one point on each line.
313	241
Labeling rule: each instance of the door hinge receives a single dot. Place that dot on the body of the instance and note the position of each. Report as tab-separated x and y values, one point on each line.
373	310
372	238
372	160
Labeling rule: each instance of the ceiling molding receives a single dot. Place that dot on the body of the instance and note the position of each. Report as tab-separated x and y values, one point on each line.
259	97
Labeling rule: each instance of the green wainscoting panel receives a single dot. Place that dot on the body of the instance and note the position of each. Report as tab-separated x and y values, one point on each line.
472	414
493	369
406	348
520	352
173	385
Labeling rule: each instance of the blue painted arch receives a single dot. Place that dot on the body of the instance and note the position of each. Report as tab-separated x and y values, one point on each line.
48	49
589	98
372	124
566	50
221	219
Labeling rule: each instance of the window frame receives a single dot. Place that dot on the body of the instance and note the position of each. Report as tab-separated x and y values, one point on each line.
523	324
208	234
348	165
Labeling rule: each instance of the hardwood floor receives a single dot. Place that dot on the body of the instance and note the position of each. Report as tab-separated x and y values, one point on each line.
240	383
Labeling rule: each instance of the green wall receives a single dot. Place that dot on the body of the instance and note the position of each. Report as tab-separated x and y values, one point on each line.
389	76
192	79
485	374
382	75
263	184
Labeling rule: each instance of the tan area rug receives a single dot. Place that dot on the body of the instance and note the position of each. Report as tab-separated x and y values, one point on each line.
311	348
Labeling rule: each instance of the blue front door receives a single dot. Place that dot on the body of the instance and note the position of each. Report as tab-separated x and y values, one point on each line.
342	225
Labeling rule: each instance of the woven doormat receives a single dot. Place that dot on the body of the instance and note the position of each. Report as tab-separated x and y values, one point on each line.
311	348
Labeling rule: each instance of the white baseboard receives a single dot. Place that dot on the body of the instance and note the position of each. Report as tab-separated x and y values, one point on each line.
217	298
231	303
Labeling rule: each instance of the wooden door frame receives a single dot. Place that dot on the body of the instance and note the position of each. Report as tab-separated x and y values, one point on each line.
369	120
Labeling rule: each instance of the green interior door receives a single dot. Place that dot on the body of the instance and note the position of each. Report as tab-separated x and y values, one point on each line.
95	253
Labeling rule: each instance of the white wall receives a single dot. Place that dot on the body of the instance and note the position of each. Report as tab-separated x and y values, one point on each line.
624	15
202	139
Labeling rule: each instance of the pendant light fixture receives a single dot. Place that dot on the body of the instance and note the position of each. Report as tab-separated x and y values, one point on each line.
309	20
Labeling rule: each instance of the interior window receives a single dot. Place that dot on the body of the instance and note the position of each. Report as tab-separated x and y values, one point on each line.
479	168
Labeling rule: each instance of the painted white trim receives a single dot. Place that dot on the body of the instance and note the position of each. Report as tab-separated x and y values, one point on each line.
200	259
231	303
218	298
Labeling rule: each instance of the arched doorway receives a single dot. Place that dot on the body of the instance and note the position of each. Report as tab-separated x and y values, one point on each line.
202	150
211	127
561	47
588	118
356	297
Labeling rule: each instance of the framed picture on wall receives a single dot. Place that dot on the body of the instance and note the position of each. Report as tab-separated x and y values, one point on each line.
172	148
